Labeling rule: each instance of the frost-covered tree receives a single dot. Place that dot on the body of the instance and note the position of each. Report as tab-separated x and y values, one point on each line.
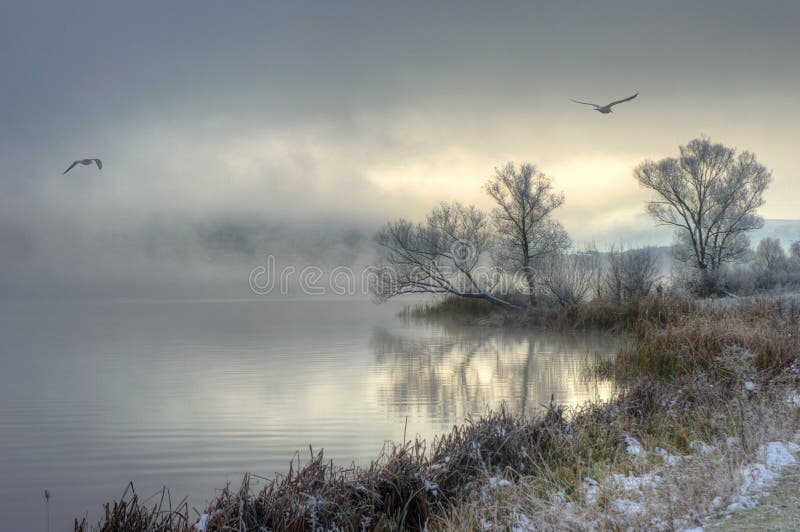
711	196
525	231
794	252
439	256
770	255
629	273
570	277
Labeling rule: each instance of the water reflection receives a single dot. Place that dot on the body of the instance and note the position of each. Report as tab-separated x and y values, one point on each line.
191	395
450	373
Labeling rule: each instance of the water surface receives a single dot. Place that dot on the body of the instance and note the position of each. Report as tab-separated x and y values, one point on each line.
191	394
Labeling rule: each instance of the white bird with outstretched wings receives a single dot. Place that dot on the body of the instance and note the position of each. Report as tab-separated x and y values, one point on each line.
98	162
605	109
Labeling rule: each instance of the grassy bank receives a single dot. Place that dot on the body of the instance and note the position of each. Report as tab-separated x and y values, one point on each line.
597	314
698	375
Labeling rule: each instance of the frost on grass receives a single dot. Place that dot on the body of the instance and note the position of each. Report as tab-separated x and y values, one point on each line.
757	477
522	522
201	525
793	399
649	499
668	458
628	508
779	454
494	482
700	447
431	487
634	448
673	492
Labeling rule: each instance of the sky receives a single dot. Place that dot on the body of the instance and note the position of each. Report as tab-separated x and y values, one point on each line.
310	117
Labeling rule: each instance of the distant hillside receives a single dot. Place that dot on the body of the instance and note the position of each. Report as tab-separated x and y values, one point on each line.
646	234
787	231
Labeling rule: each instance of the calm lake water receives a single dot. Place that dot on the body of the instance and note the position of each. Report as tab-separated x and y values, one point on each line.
192	394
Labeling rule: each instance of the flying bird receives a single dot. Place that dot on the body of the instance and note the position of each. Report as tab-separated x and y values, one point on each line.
98	162
605	109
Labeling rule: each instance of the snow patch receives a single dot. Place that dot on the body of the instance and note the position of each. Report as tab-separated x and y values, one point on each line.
633	447
524	523
777	455
633	483
202	524
628	507
670	459
757	477
431	487
700	447
592	489
794	400
498	483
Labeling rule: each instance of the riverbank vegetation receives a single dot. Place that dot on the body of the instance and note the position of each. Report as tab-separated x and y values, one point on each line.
700	376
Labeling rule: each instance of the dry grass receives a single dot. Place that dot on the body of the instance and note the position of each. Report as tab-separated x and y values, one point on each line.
451	306
411	487
691	364
711	373
595	314
130	514
694	340
629	316
675	496
404	489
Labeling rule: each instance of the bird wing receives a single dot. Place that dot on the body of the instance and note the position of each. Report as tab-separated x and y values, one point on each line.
99	163
586	103
629	98
70	167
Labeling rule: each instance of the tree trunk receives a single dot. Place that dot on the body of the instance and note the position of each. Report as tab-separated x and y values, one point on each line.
531	287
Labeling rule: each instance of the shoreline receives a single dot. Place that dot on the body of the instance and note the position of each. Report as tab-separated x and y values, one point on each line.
503	467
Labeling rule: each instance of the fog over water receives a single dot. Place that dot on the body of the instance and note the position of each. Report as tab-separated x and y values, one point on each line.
229	131
231	134
191	395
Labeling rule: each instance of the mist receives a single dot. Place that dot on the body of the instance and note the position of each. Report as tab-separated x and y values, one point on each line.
228	134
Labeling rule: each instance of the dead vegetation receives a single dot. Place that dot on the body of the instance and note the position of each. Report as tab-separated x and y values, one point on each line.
694	373
130	514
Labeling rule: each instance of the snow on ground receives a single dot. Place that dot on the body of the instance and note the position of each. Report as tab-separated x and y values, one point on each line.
633	496
700	447
636	483
523	523
638	499
759	476
794	400
633	447
498	483
669	459
201	525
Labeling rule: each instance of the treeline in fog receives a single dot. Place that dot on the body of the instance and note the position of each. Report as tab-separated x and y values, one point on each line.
519	255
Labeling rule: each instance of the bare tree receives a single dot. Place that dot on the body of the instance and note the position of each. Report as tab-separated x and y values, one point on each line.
439	256
630	273
710	196
793	263
770	255
794	251
525	231
570	277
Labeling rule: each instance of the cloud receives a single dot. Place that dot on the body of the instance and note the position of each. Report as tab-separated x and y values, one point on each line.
318	117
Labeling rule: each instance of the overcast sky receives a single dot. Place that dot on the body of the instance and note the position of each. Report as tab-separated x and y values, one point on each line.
355	112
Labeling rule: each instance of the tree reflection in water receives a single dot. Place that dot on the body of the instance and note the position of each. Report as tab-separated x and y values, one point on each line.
448	373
